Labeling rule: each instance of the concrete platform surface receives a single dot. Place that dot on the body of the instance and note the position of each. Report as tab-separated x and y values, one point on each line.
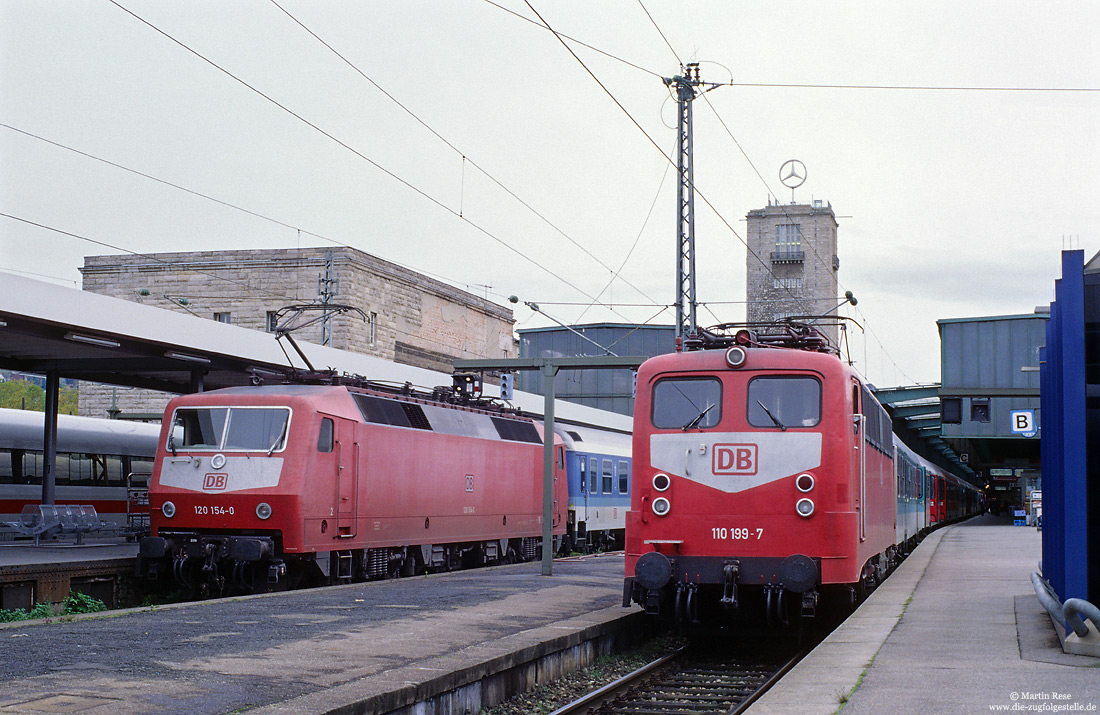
25	553
956	629
304	651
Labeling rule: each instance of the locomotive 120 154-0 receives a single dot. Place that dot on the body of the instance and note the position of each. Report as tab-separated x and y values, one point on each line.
767	477
274	486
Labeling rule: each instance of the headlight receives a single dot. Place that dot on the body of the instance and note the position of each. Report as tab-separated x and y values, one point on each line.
735	356
661	482
804	507
804	482
661	506
263	510
168	509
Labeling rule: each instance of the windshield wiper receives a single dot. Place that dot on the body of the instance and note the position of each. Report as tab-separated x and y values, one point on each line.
775	419
698	417
279	439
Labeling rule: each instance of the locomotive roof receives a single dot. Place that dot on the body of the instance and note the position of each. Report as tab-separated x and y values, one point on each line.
757	357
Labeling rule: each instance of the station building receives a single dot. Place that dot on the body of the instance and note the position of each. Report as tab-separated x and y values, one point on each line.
406	317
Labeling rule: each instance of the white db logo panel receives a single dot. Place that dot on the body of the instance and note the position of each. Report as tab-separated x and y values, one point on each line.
734	459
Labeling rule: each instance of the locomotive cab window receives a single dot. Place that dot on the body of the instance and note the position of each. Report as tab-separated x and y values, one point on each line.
231	428
325	436
784	401
687	403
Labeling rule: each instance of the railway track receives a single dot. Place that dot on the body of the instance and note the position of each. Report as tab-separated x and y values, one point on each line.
693	681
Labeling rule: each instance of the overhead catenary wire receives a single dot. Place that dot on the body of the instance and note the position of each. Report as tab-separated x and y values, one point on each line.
299	230
248	287
616	274
654	143
867	326
388	172
798	299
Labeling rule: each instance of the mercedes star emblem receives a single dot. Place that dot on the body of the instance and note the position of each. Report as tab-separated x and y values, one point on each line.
792	173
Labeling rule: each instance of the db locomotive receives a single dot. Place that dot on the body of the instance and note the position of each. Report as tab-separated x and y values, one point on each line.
276	486
767	477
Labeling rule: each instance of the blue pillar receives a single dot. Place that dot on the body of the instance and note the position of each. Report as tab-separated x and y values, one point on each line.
1064	448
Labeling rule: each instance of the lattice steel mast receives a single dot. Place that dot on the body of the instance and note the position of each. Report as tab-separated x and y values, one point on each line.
685	87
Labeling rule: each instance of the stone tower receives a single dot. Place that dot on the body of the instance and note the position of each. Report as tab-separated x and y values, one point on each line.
792	262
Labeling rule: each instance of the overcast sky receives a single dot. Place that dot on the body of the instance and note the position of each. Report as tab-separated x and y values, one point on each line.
466	142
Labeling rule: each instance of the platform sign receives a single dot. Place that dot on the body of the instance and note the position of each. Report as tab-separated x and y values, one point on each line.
1023	423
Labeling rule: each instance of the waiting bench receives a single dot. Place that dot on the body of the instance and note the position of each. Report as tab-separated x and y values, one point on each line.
44	519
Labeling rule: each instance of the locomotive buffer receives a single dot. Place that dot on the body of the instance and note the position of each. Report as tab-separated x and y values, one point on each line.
549	368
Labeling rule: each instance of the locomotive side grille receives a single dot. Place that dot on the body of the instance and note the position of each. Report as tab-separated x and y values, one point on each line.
416	416
391	412
517	430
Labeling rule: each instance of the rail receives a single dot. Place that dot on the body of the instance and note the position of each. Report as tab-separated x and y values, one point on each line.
688	682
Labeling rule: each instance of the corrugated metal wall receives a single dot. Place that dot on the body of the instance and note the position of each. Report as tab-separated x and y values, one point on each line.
991	366
610	390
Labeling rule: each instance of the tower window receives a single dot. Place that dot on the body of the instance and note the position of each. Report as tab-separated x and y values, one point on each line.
788	239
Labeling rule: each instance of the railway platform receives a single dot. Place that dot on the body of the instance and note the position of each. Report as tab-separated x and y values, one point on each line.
459	638
31	574
956	629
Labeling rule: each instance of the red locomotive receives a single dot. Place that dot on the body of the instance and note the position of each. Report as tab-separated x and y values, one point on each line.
764	479
270	487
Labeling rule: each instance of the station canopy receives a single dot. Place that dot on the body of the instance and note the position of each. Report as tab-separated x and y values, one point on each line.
86	336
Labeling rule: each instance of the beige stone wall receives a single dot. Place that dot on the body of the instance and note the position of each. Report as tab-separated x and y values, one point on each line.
807	286
416	319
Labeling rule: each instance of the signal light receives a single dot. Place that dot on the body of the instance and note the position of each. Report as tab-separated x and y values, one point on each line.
168	509
466	386
661	506
661	482
804	507
804	482
263	510
507	382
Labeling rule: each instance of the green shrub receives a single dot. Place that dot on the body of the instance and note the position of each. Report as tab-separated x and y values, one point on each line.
75	603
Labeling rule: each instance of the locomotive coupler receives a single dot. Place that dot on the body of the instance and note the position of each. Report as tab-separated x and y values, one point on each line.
177	568
275	571
730	572
809	604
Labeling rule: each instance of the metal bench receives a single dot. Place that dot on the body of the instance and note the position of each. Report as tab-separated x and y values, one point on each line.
36	520
40	520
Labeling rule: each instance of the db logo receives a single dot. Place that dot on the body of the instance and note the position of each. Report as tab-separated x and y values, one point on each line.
734	459
214	482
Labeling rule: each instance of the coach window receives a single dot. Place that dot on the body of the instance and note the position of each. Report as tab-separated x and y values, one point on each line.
784	401
608	475
624	477
593	475
687	403
324	439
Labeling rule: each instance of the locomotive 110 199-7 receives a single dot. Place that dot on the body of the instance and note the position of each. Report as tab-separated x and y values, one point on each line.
767	477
